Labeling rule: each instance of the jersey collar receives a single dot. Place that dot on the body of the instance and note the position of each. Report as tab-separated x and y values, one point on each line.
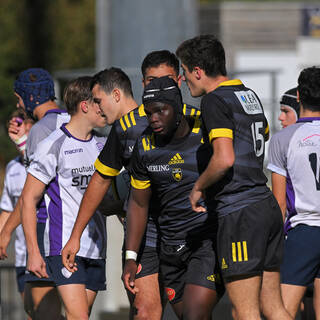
234	82
309	119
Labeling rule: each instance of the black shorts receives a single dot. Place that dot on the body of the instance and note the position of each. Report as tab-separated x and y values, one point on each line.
250	240
20	276
91	272
189	264
147	261
31	277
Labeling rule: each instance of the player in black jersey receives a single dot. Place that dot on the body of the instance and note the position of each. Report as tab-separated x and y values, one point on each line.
166	162
250	237
127	128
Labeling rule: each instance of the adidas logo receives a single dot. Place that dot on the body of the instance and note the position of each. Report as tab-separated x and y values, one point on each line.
223	264
176	159
211	278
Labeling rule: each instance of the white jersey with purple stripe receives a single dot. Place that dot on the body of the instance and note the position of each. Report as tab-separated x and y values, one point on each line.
294	153
14	180
52	120
65	165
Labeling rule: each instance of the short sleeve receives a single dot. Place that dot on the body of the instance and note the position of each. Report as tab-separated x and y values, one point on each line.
45	162
217	117
110	160
277	156
138	170
7	200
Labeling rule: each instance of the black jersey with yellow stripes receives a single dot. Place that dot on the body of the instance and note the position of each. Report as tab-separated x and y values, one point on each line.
171	171
235	112
122	138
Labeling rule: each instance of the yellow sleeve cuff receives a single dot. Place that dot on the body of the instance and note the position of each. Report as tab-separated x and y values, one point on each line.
138	184
220	133
105	170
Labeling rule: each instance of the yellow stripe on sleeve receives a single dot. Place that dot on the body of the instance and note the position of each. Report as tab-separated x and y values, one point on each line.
105	170
138	184
220	133
141	111
124	128
184	109
133	120
126	118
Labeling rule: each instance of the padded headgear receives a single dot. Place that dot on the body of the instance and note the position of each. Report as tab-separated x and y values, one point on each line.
35	86
164	90
289	99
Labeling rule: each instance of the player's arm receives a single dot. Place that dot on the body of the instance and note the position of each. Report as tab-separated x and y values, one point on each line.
4	215
95	192
137	216
279	186
221	161
10	225
32	193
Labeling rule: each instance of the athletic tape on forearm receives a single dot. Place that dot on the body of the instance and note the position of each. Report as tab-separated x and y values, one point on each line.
21	142
131	255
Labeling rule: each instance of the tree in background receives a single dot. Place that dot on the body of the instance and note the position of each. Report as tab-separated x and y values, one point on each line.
53	35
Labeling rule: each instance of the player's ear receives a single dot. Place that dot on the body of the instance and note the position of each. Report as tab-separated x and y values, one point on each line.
143	83
116	94
84	106
179	80
298	96
198	72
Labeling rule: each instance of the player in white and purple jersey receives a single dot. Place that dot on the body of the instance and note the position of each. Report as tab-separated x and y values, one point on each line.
34	90
61	170
294	159
14	180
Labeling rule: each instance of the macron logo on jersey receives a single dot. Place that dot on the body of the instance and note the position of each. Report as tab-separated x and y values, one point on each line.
176	159
79	150
249	102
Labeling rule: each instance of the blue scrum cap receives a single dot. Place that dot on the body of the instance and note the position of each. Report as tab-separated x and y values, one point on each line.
35	86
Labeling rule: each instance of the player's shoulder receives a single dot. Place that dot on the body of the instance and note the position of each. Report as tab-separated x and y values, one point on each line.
131	121
146	141
14	163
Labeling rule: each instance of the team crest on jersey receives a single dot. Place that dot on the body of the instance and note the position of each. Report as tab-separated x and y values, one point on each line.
249	102
170	293
99	146
177	174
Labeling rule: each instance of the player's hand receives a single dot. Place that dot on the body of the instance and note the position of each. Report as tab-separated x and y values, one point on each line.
4	242
128	276
16	128
68	254
194	198
36	265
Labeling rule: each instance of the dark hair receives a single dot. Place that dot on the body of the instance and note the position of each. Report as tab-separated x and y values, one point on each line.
205	52
155	58
76	91
112	78
309	88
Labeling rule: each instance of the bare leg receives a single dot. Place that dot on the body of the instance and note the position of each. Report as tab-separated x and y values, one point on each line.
271	302
46	301
198	302
316	298
91	296
147	302
244	296
75	301
292	296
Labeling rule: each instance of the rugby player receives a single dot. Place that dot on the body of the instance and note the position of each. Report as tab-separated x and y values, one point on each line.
14	180
129	122
294	163
250	227
61	169
289	108
34	90
166	162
